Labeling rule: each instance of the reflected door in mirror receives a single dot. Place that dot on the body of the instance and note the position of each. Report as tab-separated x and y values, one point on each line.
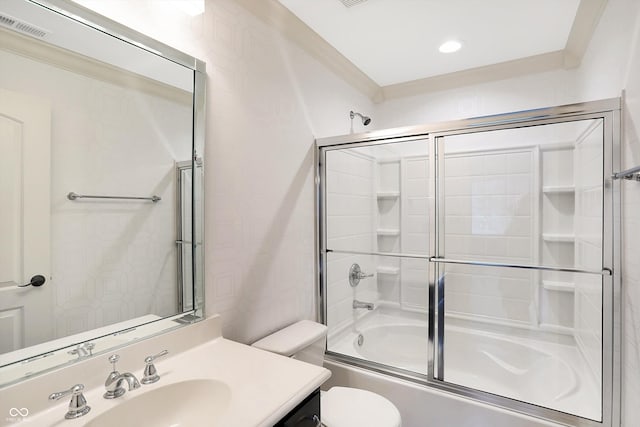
25	312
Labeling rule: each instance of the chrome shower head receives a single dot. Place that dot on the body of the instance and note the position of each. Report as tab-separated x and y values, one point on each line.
365	119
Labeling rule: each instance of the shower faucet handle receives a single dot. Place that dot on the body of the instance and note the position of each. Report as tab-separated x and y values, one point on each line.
356	274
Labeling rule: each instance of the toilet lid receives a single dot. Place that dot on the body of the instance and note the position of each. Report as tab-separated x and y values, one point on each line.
349	407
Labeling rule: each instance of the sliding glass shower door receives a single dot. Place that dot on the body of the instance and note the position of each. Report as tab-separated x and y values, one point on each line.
520	263
377	212
477	257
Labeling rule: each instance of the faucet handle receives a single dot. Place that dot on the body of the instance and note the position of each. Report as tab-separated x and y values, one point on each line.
113	359
78	404
150	372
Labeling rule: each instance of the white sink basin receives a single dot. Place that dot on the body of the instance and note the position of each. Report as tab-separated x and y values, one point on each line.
185	403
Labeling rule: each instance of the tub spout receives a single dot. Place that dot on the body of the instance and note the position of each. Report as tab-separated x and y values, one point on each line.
362	304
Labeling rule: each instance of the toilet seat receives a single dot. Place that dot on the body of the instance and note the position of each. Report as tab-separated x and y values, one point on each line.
350	407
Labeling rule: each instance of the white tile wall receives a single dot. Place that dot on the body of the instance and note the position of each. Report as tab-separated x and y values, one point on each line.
415	232
489	215
351	199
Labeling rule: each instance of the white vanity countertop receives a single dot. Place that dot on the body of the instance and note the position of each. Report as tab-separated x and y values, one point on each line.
264	386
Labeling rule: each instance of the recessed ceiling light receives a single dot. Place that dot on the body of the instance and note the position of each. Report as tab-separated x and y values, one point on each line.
450	46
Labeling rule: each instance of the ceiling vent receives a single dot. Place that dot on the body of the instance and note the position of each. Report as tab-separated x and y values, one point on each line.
351	3
21	26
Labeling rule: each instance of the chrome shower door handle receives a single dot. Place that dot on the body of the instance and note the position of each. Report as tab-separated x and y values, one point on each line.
440	310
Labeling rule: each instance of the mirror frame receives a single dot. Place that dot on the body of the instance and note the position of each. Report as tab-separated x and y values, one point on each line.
144	330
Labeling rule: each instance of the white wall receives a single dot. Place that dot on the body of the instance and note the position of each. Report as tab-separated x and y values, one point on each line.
631	235
106	140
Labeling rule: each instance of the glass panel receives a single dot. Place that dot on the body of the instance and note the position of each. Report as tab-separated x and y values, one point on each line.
528	196
495	340
377	198
393	329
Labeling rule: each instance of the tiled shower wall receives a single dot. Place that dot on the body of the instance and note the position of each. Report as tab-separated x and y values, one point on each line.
350	204
414	228
102	272
489	214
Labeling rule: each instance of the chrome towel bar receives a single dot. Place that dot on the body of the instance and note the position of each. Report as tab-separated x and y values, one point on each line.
603	272
632	174
74	196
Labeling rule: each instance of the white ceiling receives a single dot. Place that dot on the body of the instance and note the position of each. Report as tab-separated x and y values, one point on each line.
396	41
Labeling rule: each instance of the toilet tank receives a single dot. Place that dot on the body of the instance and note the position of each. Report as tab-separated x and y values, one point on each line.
304	340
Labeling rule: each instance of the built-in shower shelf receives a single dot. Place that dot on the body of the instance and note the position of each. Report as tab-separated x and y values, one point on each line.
391	271
551	285
388	232
558	237
551	189
388	194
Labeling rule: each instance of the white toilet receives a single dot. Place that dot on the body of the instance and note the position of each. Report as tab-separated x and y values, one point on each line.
340	406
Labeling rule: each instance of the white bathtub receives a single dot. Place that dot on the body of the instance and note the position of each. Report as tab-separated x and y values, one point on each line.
541	372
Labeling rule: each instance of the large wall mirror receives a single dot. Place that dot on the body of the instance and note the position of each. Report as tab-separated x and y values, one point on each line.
101	138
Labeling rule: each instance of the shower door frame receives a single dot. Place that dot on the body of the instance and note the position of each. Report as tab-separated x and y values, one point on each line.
609	110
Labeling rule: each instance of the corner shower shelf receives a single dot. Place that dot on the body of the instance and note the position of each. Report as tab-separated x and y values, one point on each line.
559	189
558	237
558	286
388	194
390	232
391	271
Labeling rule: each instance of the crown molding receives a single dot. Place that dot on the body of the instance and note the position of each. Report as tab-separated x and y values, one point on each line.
586	20
276	15
503	70
289	25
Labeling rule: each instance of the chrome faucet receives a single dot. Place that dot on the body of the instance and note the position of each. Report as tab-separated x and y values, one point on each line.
113	384
362	304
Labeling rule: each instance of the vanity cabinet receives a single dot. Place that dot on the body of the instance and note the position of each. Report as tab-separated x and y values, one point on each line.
306	414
